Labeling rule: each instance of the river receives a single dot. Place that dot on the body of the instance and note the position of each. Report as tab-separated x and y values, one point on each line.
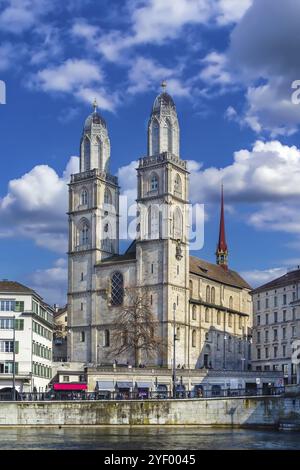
161	438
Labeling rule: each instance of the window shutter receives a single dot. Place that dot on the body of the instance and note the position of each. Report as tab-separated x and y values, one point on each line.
16	347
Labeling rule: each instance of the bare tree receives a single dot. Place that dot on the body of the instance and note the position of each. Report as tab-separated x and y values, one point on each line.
134	328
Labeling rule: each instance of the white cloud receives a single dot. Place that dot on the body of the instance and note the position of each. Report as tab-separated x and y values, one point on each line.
7	52
51	283
277	217
35	207
231	11
215	70
18	16
258	277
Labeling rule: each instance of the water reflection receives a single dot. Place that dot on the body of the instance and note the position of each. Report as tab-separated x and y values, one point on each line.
113	438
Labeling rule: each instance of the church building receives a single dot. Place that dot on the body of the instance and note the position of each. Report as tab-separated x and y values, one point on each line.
211	303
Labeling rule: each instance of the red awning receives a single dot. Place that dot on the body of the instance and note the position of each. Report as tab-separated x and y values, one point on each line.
69	386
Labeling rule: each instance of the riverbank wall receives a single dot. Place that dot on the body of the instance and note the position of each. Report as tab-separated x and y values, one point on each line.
252	411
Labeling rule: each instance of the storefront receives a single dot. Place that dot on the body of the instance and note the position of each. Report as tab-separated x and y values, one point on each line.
144	389
70	391
105	389
124	390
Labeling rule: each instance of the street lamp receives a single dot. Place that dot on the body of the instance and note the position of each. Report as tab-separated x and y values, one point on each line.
174	352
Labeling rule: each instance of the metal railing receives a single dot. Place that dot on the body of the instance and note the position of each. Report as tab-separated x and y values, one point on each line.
141	394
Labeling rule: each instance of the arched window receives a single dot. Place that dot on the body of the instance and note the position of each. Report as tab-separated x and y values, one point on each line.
107	197
84	234
167	136
84	197
99	152
230	319
191	288
154	183
177	224
194	338
178	185
207	315
106	338
219	317
117	289
213	295
230	302
155	137
207	294
87	153
194	312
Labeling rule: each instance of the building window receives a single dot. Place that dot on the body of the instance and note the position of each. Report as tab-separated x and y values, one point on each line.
117	289
208	294
284	299
84	235
230	302
283	333
275	332
82	336
213	295
267	303
267	318
194	338
177	185
294	296
6	346
258	320
275	301
107	197
218	342
283	350
106	338
177	270
258	354
275	351
293	331
84	197
294	314
275	317
154	183
267	353
177	224
284	315
240	322
191	288
258	305
194	316
258	336
207	315
81	277
66	378
229	343
230	319
266	335
81	306
219	317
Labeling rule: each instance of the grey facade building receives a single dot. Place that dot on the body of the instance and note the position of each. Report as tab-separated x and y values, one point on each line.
276	327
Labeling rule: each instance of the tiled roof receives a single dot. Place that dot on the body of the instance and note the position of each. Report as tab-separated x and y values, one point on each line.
217	273
15	287
288	278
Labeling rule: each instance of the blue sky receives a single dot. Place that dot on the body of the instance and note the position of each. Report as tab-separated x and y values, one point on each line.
229	65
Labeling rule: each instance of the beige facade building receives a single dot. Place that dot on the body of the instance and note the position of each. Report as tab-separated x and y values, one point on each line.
60	334
277	326
211	304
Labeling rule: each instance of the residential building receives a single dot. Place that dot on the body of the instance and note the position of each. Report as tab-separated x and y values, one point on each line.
60	334
277	325
26	328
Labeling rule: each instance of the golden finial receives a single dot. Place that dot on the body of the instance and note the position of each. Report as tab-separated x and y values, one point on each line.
163	85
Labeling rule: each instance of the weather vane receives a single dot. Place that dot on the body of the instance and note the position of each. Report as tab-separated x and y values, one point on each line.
95	105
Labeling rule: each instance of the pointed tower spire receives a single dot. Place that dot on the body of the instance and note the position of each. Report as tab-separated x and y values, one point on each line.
222	250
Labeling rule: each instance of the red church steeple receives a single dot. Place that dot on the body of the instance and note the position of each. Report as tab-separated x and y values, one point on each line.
222	250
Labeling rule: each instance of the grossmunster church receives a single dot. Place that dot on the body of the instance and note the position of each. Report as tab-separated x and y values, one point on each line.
210	302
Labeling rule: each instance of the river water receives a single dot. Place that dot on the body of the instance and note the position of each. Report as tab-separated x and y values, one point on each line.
161	438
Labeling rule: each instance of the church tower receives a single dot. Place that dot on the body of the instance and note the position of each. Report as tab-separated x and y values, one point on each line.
222	250
162	250
93	230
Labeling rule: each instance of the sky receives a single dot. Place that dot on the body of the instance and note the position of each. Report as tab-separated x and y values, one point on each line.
229	65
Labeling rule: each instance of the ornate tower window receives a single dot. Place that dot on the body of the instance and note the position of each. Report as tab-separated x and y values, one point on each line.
208	294
87	153
178	186
84	197
194	338
154	183
107	197
155	137
84	234
213	295
106	342
117	289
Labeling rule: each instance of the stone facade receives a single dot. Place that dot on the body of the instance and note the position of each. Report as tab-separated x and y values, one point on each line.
211	304
277	325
